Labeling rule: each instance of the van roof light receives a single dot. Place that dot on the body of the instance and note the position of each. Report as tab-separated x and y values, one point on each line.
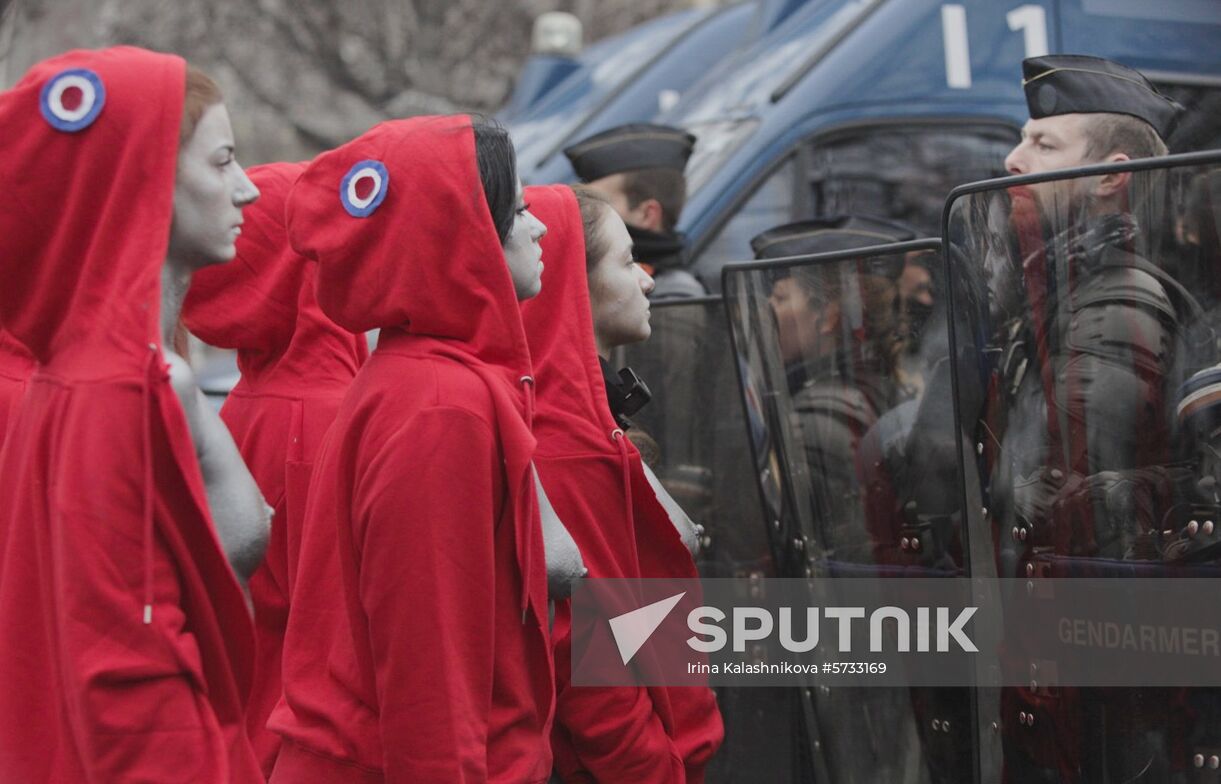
557	32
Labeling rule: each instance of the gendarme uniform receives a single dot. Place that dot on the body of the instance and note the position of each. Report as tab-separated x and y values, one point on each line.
1083	479
634	147
839	402
1109	319
838	396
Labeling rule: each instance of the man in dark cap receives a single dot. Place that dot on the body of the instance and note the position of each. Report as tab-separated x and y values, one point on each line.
1081	405
1088	110
639	168
839	331
1108	320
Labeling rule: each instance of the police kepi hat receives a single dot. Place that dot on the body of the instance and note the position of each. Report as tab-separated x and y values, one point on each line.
826	235
631	147
1072	83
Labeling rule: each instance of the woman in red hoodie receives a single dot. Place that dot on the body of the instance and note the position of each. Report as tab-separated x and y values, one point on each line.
595	299
296	365
124	636
417	646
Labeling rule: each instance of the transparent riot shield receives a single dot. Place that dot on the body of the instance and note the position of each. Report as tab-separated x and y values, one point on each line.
698	437
846	381
1087	310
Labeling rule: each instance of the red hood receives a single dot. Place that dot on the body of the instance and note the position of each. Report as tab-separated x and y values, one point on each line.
442	292
86	296
86	203
263	303
595	480
573	415
381	271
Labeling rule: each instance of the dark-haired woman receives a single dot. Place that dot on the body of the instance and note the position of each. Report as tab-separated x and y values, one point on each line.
625	526
124	637
417	647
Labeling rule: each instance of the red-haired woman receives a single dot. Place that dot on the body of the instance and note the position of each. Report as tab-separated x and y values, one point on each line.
124	635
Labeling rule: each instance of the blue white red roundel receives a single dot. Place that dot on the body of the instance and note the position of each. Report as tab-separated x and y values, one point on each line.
72	99
364	188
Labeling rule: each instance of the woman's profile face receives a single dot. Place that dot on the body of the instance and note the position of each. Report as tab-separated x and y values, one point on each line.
210	191
523	253
618	288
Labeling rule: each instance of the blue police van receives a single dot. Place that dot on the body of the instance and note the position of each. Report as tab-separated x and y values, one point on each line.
628	77
882	107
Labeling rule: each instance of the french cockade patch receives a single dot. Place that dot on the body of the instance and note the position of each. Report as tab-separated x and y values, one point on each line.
72	99
364	188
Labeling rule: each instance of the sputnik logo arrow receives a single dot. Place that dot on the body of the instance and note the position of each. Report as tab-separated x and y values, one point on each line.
633	629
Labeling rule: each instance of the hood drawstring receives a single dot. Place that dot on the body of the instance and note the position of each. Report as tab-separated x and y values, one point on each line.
625	462
154	370
527	383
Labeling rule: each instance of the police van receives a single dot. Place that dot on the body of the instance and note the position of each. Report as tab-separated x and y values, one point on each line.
882	107
563	95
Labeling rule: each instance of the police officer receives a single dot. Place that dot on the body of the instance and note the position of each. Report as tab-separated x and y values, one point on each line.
639	168
839	337
840	330
1087	416
1087	110
1080	400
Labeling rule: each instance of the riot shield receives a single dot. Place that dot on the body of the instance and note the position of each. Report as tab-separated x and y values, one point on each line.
847	387
701	454
1087	309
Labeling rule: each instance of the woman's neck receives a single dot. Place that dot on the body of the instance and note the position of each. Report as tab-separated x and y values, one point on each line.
175	280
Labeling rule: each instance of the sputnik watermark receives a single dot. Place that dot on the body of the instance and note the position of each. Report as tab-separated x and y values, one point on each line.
896	632
751	624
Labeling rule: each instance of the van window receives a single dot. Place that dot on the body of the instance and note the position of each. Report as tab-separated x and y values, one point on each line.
900	170
770	205
903	172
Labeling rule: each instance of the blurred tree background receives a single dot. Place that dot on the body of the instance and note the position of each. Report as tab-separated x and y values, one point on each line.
300	76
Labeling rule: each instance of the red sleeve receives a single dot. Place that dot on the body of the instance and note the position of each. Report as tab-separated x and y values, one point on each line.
427	587
134	696
615	732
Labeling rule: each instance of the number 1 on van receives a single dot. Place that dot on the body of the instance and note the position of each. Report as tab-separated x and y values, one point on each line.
1030	19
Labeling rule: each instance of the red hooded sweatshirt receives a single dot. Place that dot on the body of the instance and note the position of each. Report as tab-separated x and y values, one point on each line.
124	636
595	480
16	365
296	365
417	646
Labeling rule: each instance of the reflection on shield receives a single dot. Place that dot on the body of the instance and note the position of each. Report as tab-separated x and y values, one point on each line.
1090	344
859	471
